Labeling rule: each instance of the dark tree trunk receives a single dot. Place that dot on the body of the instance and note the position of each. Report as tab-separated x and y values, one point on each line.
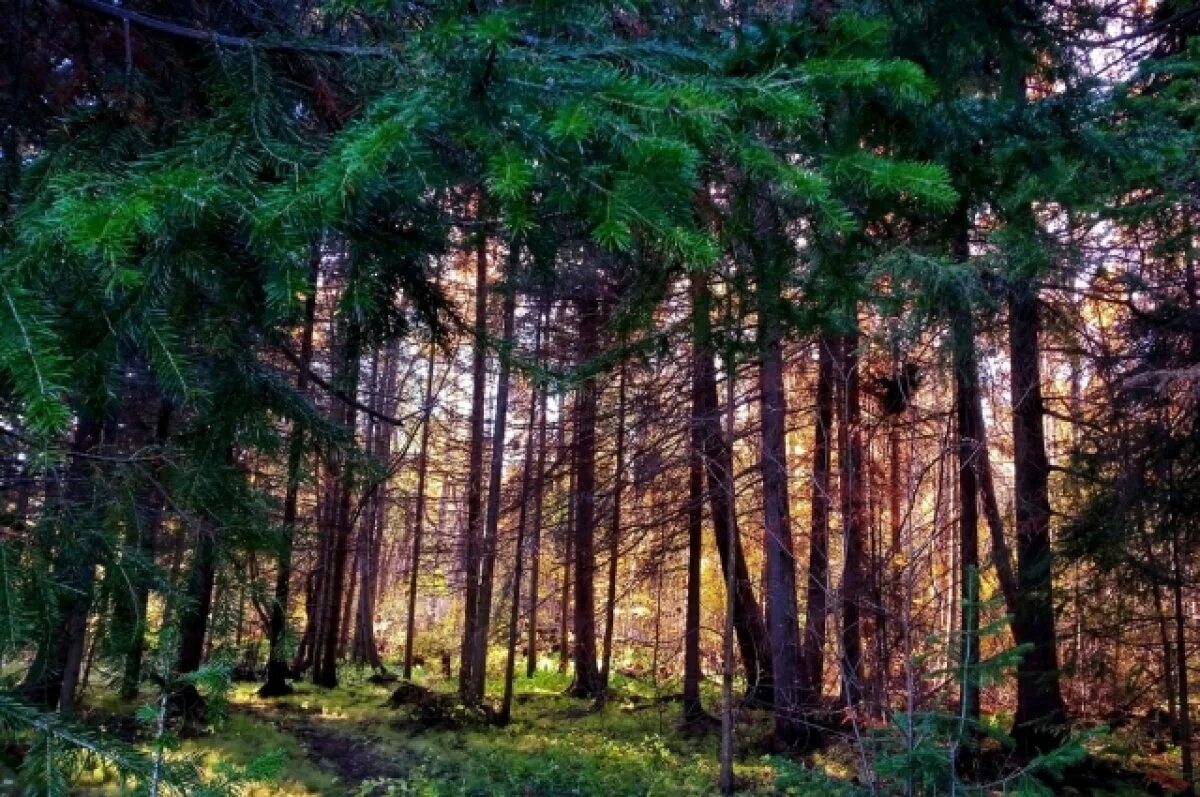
145	540
966	389
586	682
564	609
49	681
327	641
782	612
414	573
278	671
614	533
527	477
693	708
535	540
855	588
749	627
474	538
816	605
198	600
1040	722
491	530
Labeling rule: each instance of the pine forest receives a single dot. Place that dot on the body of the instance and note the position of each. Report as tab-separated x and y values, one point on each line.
610	399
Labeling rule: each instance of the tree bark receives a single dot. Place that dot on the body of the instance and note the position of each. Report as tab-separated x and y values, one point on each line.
816	605
614	532
586	682
483	617
514	615
278	671
749	626
855	592
414	572
782	612
471	559
1041	717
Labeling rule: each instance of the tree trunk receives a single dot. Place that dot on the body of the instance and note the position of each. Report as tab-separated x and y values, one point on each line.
966	388
535	541
471	559
1040	722
748	621
149	524
491	530
49	681
693	708
326	642
782	612
816	605
854	575
414	573
514	614
614	533
198	599
586	683
278	672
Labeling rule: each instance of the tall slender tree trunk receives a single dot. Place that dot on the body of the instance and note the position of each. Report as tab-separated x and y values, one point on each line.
1041	717
491	531
614	533
817	603
1181	668
693	708
277	667
564	609
965	388
586	682
782	612
471	559
527	478
535	540
750	629
854	575
144	539
50	681
414	572
326	643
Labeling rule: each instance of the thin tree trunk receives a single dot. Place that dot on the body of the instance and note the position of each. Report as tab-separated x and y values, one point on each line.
1181	668
965	388
483	618
586	682
414	573
614	533
748	621
782	612
471	560
854	574
277	669
535	542
149	524
693	708
816	605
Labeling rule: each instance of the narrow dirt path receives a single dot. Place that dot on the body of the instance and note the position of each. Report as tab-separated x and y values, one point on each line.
352	754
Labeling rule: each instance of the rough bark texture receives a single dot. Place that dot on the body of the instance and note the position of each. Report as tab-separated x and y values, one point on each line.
1041	717
782	612
749	626
817	603
586	682
855	589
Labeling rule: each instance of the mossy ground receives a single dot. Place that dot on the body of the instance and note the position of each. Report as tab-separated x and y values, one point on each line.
349	741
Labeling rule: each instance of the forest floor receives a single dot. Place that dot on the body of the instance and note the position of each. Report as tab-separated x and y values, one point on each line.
350	741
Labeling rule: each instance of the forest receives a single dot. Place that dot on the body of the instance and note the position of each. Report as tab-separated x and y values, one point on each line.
613	399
